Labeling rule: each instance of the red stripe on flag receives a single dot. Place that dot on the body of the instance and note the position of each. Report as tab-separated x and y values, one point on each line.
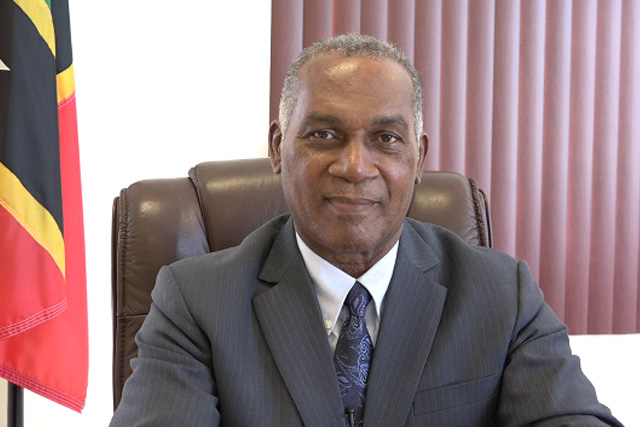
75	272
22	280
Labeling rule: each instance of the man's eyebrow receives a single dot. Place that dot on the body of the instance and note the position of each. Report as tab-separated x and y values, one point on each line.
321	118
391	120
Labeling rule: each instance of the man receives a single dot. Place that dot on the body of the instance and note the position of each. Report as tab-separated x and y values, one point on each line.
432	332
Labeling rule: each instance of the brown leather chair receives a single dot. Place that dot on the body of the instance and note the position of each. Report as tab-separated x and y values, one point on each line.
157	222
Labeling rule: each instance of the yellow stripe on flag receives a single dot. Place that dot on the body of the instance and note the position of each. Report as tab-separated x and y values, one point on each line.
38	11
66	84
31	215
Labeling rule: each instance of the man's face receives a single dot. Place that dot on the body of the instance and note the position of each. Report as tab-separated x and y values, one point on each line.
349	160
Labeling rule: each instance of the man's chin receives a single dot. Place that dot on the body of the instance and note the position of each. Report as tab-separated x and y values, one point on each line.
351	243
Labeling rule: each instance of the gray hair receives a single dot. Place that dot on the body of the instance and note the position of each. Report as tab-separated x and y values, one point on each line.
348	45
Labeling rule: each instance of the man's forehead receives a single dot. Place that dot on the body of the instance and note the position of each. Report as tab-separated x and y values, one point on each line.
337	66
331	75
334	88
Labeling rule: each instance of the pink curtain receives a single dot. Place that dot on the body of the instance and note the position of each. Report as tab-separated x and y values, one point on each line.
539	101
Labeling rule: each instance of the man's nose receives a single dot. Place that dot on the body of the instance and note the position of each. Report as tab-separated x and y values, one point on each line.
354	162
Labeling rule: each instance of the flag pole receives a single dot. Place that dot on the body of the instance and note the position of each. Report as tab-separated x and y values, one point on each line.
15	406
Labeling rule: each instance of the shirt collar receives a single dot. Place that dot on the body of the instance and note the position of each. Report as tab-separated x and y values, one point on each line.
332	284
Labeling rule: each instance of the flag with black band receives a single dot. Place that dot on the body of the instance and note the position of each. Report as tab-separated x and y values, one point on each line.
43	319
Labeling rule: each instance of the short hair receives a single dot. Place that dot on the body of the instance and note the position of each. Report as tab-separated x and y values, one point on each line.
356	45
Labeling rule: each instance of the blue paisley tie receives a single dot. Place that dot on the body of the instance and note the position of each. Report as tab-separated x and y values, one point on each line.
353	355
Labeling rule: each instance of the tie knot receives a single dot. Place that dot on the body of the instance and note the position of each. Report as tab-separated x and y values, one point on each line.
357	300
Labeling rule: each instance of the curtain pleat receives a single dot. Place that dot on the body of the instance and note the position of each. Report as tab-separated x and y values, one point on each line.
428	59
320	12
479	110
555	153
346	16
603	211
401	26
454	84
580	162
504	154
530	109
539	101
374	18
287	25
626	273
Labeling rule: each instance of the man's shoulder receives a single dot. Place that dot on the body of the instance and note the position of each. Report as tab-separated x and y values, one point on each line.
473	273
438	236
455	253
220	284
245	258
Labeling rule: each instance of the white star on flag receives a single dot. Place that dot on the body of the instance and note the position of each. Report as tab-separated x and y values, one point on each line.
3	67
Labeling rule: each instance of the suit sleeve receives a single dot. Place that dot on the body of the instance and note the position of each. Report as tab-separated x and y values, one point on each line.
543	383
172	382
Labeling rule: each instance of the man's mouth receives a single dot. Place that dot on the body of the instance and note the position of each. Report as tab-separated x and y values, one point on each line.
350	204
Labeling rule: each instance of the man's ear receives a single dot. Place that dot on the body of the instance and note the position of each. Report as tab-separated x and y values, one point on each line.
275	142
423	147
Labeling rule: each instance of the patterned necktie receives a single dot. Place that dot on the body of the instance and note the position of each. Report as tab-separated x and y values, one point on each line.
353	355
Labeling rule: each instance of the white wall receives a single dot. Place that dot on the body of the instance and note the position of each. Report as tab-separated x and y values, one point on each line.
3	403
611	363
160	87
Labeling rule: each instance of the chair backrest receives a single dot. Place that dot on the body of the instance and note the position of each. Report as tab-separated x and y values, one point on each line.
157	222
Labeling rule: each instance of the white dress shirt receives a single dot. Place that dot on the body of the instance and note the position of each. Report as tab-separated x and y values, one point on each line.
332	286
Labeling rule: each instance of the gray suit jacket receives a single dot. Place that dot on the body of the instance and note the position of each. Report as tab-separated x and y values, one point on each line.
236	338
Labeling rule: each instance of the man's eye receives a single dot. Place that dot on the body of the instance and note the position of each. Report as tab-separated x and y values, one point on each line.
388	138
322	134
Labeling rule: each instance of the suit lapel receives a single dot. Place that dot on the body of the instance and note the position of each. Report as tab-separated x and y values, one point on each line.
413	307
291	321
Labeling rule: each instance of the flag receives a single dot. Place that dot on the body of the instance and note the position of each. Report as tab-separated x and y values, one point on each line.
43	301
